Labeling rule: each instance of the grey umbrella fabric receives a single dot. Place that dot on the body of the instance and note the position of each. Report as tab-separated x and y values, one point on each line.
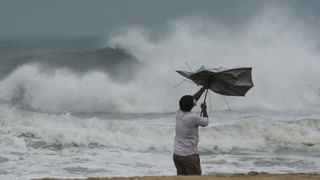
230	82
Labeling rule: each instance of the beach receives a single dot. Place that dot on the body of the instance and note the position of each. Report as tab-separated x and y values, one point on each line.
250	176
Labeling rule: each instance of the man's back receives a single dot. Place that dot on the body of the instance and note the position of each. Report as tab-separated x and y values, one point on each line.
187	132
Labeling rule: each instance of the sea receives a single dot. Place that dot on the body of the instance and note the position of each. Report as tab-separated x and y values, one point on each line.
78	107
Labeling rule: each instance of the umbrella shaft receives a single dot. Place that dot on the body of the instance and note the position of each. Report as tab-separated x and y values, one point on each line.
204	101
205	96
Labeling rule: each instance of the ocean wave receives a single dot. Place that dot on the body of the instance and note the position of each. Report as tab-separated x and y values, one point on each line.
39	130
133	72
64	91
262	136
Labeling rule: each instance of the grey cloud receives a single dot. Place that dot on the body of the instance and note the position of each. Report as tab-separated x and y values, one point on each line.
97	17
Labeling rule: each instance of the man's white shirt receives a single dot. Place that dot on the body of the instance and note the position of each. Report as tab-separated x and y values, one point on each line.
187	132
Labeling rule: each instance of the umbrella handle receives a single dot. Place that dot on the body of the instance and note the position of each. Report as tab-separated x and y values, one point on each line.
204	101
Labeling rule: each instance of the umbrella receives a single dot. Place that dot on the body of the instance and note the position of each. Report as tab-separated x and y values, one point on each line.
230	82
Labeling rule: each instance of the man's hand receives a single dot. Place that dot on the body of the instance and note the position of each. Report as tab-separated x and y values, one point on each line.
204	110
203	107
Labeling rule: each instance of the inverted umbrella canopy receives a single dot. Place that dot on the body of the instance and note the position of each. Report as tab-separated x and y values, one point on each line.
230	82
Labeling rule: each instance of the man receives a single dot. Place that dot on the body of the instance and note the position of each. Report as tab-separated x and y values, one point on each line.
186	157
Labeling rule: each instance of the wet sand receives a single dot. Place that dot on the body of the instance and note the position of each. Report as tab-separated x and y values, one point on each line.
250	176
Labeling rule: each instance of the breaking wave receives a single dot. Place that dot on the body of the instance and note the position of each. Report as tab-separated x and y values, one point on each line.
25	129
136	73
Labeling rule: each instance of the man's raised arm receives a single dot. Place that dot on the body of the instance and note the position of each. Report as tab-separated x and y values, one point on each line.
198	94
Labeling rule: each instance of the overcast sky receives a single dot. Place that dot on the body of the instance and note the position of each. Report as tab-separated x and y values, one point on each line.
100	17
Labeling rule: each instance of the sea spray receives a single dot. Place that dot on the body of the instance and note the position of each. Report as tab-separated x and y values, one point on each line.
281	50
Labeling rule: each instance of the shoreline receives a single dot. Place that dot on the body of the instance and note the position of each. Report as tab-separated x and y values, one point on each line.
249	176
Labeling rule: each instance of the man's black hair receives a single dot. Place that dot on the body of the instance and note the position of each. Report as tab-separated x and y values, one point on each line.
186	103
